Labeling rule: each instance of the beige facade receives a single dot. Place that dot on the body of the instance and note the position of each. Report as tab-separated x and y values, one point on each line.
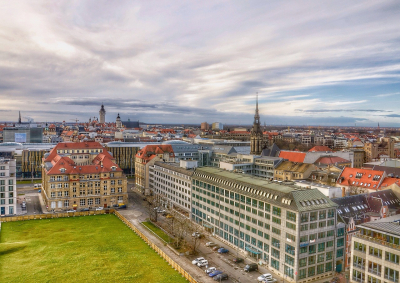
375	253
82	175
287	171
373	151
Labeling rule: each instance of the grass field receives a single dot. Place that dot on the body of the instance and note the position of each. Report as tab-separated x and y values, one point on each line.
27	182
79	249
157	231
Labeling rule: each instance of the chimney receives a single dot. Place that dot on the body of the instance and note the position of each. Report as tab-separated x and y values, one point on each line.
343	191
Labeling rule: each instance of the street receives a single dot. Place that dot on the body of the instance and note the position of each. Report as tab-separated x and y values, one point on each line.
31	196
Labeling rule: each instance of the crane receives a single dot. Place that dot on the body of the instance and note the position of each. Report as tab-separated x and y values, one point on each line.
76	120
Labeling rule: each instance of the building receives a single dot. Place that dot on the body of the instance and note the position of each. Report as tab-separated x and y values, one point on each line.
356	180
102	114
124	154
173	183
29	133
8	187
256	135
375	254
81	175
118	123
287	171
216	126
292	230
145	158
374	150
205	126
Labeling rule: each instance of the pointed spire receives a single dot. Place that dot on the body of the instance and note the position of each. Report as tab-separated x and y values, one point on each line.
19	118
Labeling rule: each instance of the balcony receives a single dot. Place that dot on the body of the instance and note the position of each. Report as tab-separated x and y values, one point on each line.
375	240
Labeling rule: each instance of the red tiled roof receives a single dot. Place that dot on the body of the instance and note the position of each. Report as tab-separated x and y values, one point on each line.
365	178
327	160
293	156
319	148
72	145
149	151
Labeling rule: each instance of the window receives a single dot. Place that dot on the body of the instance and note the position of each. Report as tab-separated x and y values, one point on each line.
321	235
53	194
276	220
304	227
291	225
360	247
302	273
322	224
276	211
375	252
329	255
312	249
321	258
90	201
276	231
275	264
82	202
321	247
66	203
313	216
339	253
304	217
313	226
291	237
311	271
392	257
328	266
329	244
302	262
340	242
276	243
291	216
320	268
289	260
330	233
392	275
331	222
290	249
97	200
322	214
275	254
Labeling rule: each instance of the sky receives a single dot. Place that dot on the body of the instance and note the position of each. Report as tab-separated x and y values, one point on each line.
311	62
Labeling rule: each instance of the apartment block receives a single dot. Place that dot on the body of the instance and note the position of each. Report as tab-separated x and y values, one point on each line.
294	231
8	187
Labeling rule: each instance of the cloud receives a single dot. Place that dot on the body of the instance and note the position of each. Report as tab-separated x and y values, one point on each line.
200	59
341	110
391	116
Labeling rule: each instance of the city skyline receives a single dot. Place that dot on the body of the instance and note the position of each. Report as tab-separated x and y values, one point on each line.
312	63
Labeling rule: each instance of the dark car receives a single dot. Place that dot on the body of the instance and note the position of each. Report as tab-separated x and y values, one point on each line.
222	276
216	248
122	206
215	273
85	209
251	267
237	260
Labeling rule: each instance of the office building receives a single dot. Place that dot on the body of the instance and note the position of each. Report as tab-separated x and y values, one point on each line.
30	133
292	230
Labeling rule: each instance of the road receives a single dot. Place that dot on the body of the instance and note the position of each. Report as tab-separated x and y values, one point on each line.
31	196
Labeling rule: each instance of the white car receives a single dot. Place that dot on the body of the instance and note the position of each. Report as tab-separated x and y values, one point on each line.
210	244
210	270
195	261
269	280
196	235
99	208
71	210
202	263
262	278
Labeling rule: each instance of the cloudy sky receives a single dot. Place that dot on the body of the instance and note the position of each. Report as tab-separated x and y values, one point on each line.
312	62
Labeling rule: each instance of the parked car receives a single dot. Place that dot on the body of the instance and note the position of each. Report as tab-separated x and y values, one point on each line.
202	263
85	209
99	208
251	267
70	210
122	206
196	261
161	210
269	280
37	186
215	273
261	278
237	260
210	270
196	235
211	244
222	276
216	248
223	251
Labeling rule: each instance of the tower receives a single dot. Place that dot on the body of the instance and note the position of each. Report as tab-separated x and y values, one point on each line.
102	114
19	118
118	122
256	136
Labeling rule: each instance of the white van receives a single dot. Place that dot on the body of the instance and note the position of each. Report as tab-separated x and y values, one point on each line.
38	186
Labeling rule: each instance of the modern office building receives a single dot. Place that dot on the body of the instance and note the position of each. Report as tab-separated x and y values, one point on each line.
173	183
29	133
8	187
81	175
376	252
292	230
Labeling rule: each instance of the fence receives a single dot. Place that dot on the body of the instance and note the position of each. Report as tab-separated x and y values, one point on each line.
54	215
170	261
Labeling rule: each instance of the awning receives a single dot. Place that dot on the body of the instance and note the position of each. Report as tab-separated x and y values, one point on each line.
253	250
207	225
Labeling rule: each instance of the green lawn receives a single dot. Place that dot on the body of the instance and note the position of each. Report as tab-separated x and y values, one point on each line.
157	231
79	249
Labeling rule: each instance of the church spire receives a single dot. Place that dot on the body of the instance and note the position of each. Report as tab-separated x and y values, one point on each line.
256	136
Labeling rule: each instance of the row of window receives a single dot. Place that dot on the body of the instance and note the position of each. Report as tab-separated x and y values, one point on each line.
376	252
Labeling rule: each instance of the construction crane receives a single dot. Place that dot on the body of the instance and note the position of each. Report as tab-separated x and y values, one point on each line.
76	120
30	120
